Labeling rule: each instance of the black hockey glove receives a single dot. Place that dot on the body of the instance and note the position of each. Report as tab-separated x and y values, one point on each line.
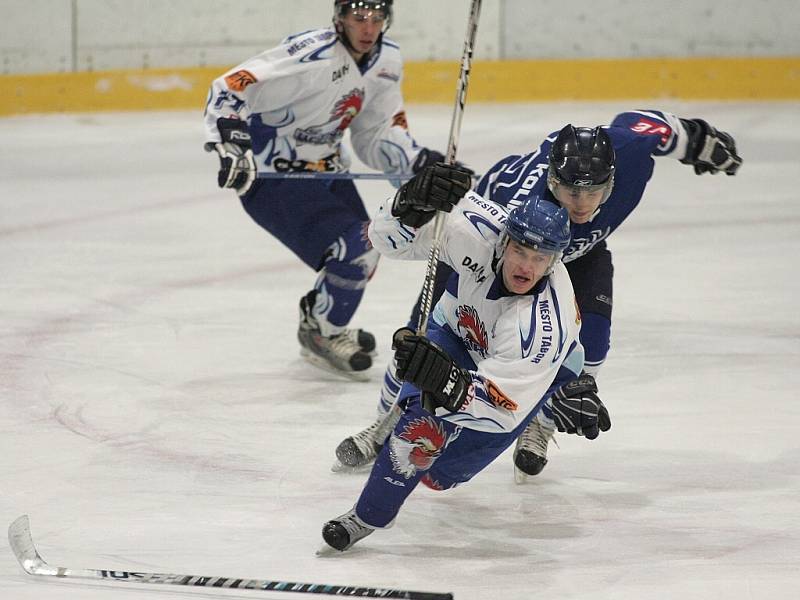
427	366
439	187
577	408
428	157
237	165
709	150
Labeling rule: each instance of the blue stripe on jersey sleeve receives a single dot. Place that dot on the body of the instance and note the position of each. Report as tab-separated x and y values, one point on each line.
572	365
451	286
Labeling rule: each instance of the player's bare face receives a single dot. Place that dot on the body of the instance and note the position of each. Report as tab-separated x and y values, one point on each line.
580	203
363	27
523	267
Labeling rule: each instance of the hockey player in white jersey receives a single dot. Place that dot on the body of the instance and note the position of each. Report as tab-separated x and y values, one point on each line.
286	110
599	174
502	344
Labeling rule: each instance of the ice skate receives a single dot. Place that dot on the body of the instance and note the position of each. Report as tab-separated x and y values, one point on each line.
530	453
341	353
361	449
363	339
344	531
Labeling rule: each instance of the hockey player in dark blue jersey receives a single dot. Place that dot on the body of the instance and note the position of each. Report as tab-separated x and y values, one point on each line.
599	175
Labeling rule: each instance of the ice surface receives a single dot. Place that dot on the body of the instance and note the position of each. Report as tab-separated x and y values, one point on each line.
155	414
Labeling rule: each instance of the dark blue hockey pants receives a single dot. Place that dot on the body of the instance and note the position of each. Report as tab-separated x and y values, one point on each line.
425	448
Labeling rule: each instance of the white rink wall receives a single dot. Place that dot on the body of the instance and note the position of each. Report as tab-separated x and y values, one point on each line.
56	36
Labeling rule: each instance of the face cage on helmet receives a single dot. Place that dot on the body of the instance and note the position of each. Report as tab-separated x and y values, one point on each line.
341	10
554	181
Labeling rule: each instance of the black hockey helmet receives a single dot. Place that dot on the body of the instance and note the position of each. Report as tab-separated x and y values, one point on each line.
582	157
341	8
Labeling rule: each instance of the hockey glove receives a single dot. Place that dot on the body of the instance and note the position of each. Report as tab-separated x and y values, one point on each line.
577	408
426	365
428	157
709	150
237	165
438	187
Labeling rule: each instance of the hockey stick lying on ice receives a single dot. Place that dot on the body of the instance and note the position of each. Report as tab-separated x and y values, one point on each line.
19	536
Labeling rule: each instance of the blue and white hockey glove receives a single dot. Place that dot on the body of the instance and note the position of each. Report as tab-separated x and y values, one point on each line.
439	187
237	165
577	408
426	365
709	150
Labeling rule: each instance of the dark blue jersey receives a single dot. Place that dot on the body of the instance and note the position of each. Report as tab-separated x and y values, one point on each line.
636	136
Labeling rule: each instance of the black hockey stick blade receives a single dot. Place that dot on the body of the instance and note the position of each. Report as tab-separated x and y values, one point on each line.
19	537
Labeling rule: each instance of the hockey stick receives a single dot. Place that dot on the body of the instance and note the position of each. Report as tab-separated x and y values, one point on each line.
450	158
389	419
19	536
333	176
452	146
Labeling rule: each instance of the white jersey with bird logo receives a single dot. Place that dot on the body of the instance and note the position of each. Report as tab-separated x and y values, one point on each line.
524	346
301	97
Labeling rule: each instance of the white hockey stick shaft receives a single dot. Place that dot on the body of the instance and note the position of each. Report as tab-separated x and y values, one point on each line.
392	416
330	176
452	146
19	536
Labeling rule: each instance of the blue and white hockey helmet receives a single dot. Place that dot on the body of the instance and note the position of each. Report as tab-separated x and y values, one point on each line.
539	224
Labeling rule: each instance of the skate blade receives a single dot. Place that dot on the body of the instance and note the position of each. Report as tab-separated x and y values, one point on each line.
324	365
520	476
326	551
339	467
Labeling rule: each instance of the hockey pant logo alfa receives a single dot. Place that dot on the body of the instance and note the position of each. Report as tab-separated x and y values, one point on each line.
418	446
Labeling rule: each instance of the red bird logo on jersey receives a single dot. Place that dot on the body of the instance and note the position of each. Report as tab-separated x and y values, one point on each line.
331	132
417	447
472	330
347	108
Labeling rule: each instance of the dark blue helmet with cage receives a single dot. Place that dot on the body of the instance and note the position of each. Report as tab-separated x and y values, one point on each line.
583	158
541	225
342	7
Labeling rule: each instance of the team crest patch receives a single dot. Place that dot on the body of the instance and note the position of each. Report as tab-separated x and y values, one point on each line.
348	107
472	330
400	119
417	447
240	80
331	132
498	398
